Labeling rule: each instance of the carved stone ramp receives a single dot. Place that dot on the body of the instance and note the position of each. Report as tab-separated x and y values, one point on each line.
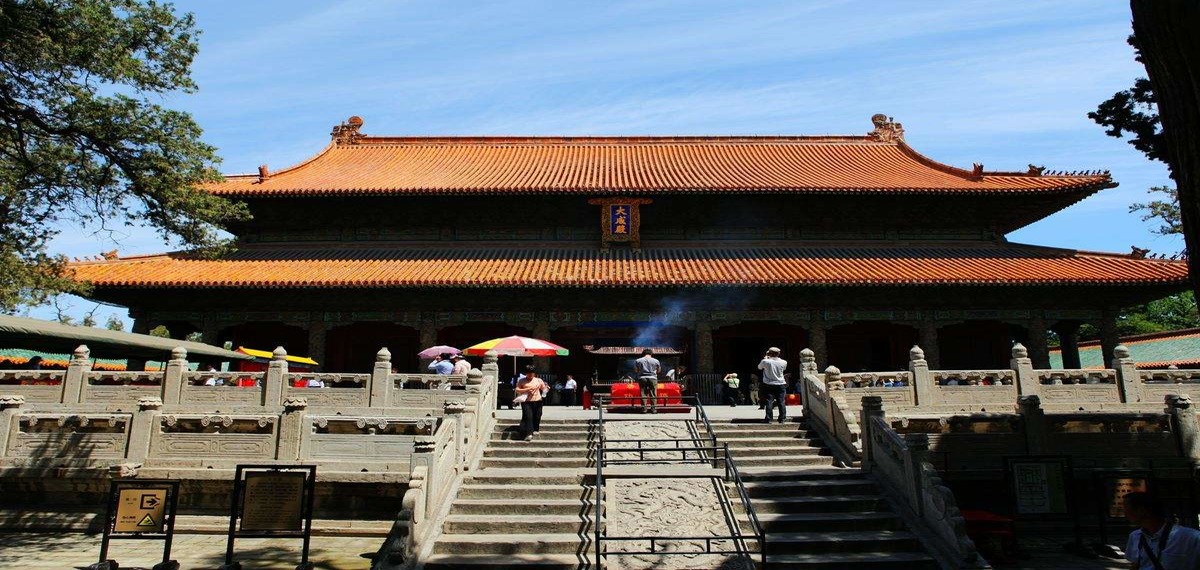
815	515
529	505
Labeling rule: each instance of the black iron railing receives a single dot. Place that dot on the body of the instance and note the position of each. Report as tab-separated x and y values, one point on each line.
700	448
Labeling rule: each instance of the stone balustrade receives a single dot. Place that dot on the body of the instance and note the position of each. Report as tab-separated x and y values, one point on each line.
199	424
920	390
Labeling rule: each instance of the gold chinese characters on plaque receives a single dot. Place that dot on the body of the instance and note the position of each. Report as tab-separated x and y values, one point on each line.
273	501
620	220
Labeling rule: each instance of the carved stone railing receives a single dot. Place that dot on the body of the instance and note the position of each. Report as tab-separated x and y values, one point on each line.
825	406
901	467
919	389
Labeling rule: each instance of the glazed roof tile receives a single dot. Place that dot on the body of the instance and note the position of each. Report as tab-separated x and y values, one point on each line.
635	165
1154	350
409	266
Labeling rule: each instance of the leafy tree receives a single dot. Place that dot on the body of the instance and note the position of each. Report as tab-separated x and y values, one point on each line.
195	337
1165	211
160	331
114	324
1169	47
1169	313
83	139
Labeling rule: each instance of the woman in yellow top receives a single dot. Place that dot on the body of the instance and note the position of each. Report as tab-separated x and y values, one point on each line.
529	390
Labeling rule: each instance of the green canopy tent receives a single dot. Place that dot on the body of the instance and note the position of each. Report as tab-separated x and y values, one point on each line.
48	336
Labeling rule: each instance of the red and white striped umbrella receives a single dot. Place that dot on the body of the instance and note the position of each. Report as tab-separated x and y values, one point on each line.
516	346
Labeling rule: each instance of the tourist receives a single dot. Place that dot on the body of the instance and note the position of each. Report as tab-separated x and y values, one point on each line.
315	382
1158	543
529	392
441	364
648	369
568	391
774	386
729	390
754	391
460	365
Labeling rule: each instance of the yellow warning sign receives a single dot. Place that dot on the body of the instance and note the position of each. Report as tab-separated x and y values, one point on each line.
140	510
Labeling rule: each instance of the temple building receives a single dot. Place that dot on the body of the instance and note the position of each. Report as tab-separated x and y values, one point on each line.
719	246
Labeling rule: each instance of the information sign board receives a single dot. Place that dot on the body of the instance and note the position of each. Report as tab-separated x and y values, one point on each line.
273	500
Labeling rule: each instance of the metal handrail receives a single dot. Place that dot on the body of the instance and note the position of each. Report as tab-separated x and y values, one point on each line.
732	473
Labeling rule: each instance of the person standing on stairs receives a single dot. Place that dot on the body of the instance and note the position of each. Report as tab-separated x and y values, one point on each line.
774	385
532	388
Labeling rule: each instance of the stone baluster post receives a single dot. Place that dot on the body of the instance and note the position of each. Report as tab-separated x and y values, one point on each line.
275	377
291	428
76	376
1022	365
1033	422
455	411
808	365
918	454
381	379
1183	422
490	368
921	378
833	382
872	407
1129	381
141	431
10	408
172	383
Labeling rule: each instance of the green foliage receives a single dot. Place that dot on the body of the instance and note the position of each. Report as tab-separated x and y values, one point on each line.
114	324
195	337
84	140
1166	314
1165	211
160	331
1133	113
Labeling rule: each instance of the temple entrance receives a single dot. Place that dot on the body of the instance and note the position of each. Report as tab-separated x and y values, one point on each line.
870	346
978	344
267	336
739	348
352	348
467	334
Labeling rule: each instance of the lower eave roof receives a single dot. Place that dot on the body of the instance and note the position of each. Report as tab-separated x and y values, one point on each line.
409	266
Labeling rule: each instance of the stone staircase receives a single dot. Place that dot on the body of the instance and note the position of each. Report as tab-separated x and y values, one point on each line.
815	515
530	504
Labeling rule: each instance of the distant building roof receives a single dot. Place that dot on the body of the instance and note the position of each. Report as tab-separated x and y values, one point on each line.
348	266
633	350
1179	348
878	162
15	357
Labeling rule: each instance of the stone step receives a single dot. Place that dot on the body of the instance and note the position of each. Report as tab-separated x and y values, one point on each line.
856	560
778	474
544	427
507	561
844	541
525	462
509	523
557	543
790	460
522	491
541	439
752	442
822	522
818	504
749	452
538	449
548	421
532	505
810	487
581	436
764	430
525	477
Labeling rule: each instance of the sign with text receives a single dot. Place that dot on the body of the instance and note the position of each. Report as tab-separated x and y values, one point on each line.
141	510
273	501
1039	486
619	218
1116	489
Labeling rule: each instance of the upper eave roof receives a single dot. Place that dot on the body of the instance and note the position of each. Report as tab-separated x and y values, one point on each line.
879	162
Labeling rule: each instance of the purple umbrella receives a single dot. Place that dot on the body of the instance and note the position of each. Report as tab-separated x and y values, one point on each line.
437	350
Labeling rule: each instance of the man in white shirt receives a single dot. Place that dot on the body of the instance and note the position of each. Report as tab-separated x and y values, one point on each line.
568	391
774	385
1158	543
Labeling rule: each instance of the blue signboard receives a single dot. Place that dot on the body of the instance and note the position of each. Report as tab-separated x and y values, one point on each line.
619	219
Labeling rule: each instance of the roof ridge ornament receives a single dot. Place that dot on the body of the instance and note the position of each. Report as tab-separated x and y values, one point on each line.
886	129
347	132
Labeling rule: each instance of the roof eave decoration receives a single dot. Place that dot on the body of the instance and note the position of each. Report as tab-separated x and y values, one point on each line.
886	129
348	132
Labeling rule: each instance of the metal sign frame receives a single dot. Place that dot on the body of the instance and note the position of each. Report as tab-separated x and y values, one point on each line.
238	503
171	486
1067	467
1100	480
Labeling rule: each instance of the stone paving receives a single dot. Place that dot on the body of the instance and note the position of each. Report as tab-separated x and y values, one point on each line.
62	551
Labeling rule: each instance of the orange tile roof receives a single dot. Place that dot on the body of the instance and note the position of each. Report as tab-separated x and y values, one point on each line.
644	165
439	266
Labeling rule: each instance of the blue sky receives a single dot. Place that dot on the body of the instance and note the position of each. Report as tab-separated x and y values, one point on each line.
1001	83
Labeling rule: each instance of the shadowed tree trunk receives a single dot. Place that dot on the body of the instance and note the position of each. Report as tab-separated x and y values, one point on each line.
1168	33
